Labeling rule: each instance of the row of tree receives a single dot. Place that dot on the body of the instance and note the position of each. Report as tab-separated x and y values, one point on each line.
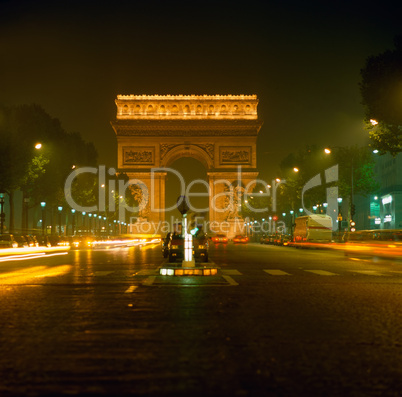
355	176
40	171
381	92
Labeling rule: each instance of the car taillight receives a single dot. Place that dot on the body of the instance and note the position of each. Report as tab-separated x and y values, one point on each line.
175	247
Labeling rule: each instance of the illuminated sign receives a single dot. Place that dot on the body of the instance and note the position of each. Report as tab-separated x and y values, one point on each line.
377	221
388	218
386	200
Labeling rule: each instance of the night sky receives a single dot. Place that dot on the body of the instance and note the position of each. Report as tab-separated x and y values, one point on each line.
301	58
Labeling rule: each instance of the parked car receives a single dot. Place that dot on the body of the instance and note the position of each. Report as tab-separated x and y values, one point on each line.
7	241
284	239
267	239
220	238
240	239
43	240
21	241
32	241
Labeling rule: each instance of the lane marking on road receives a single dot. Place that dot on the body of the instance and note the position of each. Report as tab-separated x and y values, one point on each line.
360	259
149	280
322	273
131	289
231	272
276	272
369	272
230	280
103	273
146	272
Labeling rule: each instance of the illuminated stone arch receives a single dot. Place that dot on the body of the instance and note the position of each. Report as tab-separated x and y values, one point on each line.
223	141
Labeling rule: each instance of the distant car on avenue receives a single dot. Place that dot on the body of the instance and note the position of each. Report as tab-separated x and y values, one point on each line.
220	238
240	239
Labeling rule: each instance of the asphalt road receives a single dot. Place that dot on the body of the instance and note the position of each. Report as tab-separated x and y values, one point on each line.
275	321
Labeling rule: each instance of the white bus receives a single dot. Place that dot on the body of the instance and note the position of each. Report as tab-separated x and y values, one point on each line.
313	228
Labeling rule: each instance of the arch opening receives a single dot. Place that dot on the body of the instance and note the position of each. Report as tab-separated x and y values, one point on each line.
186	176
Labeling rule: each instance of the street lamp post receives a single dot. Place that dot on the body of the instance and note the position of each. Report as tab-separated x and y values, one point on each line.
43	206
73	222
60	210
292	221
2	214
83	223
352	207
26	204
90	223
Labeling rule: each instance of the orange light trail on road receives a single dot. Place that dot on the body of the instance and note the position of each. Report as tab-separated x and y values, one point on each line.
23	275
29	256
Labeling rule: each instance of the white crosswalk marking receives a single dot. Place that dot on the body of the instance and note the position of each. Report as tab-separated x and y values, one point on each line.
276	272
231	272
322	273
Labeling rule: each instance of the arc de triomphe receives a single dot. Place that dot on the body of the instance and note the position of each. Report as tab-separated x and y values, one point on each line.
218	130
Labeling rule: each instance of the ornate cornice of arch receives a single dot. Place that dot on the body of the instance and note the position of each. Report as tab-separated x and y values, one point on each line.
187	127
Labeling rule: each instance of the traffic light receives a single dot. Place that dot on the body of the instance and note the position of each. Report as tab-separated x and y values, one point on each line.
353	210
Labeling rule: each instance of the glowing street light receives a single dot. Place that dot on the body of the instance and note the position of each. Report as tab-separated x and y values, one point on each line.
295	169
373	122
327	151
38	146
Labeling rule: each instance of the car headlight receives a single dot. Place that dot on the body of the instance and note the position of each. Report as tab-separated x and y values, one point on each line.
201	247
175	247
